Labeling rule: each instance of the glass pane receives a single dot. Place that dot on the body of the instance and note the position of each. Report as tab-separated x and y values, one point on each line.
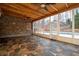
33	26
65	24
46	26
76	20
54	24
40	26
36	27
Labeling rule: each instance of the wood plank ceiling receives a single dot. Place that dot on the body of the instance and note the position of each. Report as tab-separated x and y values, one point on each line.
35	11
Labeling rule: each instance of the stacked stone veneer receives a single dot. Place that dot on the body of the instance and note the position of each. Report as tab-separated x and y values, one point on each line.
10	25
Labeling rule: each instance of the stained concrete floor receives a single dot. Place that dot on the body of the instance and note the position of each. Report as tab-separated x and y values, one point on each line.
57	48
36	46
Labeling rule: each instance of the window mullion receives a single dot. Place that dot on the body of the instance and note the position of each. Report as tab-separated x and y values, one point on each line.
58	24
50	27
73	24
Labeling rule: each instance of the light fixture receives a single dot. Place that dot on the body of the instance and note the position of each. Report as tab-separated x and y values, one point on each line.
44	5
13	23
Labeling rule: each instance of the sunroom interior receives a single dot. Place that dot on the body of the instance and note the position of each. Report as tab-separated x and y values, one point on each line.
39	29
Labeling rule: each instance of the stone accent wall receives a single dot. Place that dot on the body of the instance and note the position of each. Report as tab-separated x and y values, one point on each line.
10	25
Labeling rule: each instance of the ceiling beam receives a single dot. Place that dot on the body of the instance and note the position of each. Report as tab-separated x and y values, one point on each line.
66	5
47	9
63	10
52	6
8	13
41	9
23	9
17	11
5	12
35	10
28	10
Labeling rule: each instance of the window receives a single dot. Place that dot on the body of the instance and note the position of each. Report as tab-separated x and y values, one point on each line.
40	26
65	24
46	26
76	23
35	27
54	24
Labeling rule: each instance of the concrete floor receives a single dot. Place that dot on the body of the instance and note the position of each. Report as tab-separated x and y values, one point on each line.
58	48
36	46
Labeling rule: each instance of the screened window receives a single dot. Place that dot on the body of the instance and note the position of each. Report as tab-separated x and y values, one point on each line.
54	24
76	23
46	26
65	24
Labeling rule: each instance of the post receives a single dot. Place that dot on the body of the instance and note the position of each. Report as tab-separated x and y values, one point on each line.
73	23
58	25
50	26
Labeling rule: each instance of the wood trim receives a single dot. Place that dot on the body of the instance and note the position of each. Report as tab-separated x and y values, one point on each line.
17	11
67	5
16	35
60	38
36	14
63	10
31	8
9	13
53	7
23	9
58	25
73	23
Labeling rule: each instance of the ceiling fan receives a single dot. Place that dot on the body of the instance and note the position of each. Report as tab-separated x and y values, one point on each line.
44	5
